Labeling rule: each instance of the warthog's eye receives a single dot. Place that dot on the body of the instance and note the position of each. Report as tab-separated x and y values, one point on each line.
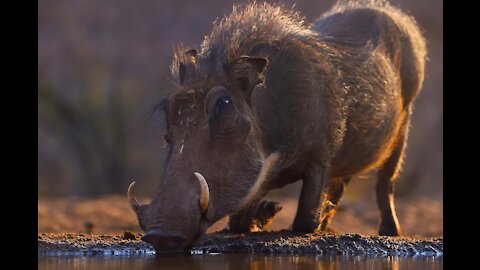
223	119
223	104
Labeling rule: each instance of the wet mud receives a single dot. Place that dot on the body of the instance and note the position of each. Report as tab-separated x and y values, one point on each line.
283	242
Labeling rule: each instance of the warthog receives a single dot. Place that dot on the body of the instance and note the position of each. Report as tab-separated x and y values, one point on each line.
268	100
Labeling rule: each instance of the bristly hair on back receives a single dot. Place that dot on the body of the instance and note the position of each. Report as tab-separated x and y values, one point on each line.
402	19
236	34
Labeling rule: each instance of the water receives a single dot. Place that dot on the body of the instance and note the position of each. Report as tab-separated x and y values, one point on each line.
238	261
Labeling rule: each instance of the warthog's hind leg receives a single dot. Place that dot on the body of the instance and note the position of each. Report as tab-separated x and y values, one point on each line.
386	178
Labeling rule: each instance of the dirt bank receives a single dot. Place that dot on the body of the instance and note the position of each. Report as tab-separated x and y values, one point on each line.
283	242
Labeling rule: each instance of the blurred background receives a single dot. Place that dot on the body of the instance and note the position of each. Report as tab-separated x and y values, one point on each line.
103	65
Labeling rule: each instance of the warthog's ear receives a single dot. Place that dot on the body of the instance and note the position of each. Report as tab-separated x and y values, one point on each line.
247	72
190	58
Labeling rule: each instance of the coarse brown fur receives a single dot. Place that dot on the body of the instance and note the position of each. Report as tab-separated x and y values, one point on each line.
269	100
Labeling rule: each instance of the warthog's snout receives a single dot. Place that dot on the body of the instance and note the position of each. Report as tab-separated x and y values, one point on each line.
164	242
160	234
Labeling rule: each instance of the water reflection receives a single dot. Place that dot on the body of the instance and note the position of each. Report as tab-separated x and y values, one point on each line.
241	261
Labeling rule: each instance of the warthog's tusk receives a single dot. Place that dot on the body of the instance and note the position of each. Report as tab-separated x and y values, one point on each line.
204	192
134	204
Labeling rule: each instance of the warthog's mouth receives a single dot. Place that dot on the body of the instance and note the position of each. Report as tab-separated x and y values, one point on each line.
165	242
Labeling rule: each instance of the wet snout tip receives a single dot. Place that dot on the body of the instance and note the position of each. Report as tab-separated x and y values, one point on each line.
163	242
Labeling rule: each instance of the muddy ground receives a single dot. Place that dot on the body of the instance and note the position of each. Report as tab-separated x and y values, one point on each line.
282	242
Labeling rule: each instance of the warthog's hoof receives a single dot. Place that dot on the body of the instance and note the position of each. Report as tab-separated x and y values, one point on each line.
254	219
265	214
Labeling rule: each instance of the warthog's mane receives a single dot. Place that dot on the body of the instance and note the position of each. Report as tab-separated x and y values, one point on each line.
247	25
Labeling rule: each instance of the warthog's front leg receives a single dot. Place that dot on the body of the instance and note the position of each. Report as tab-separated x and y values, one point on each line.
266	213
254	218
310	203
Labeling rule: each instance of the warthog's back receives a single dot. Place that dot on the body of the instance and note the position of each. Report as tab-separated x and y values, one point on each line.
382	72
375	24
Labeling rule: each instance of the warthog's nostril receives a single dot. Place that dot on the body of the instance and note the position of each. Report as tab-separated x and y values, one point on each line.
164	242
